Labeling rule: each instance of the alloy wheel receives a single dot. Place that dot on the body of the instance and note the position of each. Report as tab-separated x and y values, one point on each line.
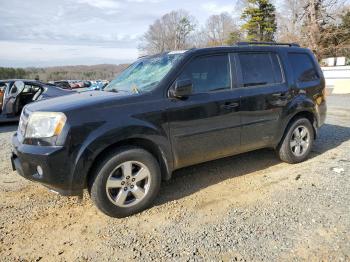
128	184
300	141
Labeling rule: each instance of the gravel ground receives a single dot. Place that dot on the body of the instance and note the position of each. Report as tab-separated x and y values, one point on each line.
242	208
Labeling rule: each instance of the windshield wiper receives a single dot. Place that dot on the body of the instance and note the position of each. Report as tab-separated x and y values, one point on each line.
113	90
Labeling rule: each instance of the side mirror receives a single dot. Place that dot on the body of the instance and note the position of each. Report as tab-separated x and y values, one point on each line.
182	88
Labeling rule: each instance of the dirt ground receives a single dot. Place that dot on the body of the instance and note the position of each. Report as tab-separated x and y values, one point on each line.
242	208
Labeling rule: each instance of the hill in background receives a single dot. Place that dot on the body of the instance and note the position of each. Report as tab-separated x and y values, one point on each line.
81	72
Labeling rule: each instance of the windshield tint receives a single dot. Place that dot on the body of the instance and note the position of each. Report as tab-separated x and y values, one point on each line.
144	75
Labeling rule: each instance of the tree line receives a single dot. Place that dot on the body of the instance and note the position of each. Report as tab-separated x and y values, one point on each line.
95	72
321	25
7	73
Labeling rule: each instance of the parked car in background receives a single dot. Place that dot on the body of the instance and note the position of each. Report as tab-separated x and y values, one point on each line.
87	83
2	92
98	85
74	84
63	84
169	111
80	84
15	94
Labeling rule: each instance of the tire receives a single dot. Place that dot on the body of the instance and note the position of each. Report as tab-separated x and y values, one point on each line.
288	148
114	193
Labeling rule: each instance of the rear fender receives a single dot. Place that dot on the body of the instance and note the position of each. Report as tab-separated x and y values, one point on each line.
299	105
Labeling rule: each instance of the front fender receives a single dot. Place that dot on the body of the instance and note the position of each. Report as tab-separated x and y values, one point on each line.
107	135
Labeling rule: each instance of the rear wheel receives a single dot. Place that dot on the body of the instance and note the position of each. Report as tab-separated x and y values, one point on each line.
297	142
126	182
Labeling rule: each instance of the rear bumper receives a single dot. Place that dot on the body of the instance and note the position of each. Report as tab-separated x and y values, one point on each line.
56	170
322	113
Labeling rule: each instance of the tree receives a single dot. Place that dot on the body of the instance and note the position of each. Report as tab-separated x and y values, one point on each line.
233	38
221	30
314	13
315	24
346	20
170	32
335	40
320	29
260	20
12	73
289	21
182	30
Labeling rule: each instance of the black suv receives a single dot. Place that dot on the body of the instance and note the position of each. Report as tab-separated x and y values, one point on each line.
169	111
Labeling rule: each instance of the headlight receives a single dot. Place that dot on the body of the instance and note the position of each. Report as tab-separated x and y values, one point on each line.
45	124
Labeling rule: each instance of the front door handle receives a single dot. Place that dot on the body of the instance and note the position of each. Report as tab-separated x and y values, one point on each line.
230	105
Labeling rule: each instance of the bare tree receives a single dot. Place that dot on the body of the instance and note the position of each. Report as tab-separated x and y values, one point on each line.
219	29
171	32
310	22
289	21
199	38
320	18
335	40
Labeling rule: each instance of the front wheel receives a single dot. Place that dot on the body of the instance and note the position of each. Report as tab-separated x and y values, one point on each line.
297	142
126	182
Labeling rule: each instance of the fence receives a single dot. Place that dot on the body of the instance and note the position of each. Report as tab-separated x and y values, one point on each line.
337	79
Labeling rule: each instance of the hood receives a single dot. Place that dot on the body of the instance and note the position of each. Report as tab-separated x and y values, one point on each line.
53	91
75	101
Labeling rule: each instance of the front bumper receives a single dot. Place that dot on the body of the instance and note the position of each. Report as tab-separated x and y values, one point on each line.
54	162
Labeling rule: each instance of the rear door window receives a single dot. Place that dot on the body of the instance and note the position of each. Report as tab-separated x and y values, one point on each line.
259	69
303	67
30	89
27	88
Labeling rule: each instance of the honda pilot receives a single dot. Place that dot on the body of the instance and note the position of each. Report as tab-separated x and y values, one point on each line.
170	111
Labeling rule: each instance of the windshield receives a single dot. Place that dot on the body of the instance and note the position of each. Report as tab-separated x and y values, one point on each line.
144	75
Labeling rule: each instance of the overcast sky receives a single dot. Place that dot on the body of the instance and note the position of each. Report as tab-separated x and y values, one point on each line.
71	32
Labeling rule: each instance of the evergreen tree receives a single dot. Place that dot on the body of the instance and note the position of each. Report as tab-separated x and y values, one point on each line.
233	38
260	20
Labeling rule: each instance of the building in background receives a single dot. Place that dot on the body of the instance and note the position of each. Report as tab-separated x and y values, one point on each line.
335	61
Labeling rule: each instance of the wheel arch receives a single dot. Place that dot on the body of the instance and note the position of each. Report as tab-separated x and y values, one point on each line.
309	115
143	143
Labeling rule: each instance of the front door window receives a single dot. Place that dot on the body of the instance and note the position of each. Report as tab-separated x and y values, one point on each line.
208	73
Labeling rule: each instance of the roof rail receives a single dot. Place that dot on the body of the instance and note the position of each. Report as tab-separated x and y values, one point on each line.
267	43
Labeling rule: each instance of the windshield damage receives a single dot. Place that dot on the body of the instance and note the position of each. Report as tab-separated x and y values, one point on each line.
145	74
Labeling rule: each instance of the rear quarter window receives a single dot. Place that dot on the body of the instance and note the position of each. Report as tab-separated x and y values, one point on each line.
303	67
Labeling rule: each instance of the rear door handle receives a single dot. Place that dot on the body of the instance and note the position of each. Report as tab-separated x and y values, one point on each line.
229	105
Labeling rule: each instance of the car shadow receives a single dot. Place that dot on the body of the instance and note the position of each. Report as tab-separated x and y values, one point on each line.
330	137
189	180
8	127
